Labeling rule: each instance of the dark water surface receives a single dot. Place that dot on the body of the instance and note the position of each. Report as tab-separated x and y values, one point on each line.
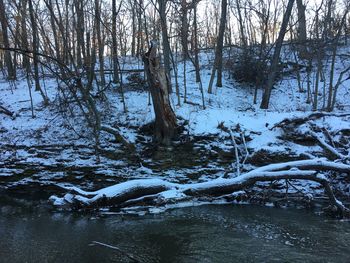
196	234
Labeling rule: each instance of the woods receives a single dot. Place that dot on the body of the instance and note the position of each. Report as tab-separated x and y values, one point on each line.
175	101
83	34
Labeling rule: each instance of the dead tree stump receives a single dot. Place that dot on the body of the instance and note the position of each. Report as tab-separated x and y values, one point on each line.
165	121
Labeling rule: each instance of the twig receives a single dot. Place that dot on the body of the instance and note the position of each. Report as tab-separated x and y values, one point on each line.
246	149
236	152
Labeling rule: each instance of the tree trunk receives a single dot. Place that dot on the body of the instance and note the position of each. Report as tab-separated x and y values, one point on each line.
165	122
7	56
276	56
140	38
35	46
115	42
24	35
35	52
196	59
241	24
100	43
218	51
166	44
184	29
54	31
301	29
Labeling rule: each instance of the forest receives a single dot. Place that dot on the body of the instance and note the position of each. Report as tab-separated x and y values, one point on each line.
146	107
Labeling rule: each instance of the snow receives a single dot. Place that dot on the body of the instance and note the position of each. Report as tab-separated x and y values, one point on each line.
173	191
56	148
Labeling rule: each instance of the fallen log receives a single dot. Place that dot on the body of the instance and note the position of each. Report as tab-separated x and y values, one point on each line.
118	136
301	120
6	111
134	192
328	147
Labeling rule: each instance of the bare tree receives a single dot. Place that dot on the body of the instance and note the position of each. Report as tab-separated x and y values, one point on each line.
276	56
165	122
35	44
100	42
165	39
11	71
217	67
302	37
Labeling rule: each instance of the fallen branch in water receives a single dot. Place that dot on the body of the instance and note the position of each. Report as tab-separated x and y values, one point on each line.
161	192
117	249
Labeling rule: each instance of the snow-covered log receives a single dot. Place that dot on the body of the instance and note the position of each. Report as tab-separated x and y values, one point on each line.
300	120
6	111
115	194
328	147
118	136
136	192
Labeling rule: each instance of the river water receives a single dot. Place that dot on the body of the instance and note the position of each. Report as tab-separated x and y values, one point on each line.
221	233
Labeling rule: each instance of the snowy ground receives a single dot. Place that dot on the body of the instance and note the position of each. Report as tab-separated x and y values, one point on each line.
49	148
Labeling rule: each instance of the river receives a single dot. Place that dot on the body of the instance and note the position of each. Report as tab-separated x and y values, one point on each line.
210	233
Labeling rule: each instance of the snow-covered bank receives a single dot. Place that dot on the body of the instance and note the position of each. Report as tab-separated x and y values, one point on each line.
229	137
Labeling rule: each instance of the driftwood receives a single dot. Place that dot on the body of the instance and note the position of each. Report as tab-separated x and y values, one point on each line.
165	122
161	192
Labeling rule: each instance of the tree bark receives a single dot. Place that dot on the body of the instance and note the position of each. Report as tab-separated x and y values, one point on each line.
165	122
24	35
7	56
184	29
100	42
276	56
114	41
165	38
218	51
301	29
35	52
196	58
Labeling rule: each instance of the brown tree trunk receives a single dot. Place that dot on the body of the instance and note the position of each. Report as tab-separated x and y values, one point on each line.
184	29
165	37
165	123
7	56
24	35
218	51
133	35
276	56
35	46
100	42
36	60
196	59
301	29
115	42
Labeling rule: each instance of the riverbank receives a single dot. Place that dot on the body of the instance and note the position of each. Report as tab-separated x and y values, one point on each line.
55	150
